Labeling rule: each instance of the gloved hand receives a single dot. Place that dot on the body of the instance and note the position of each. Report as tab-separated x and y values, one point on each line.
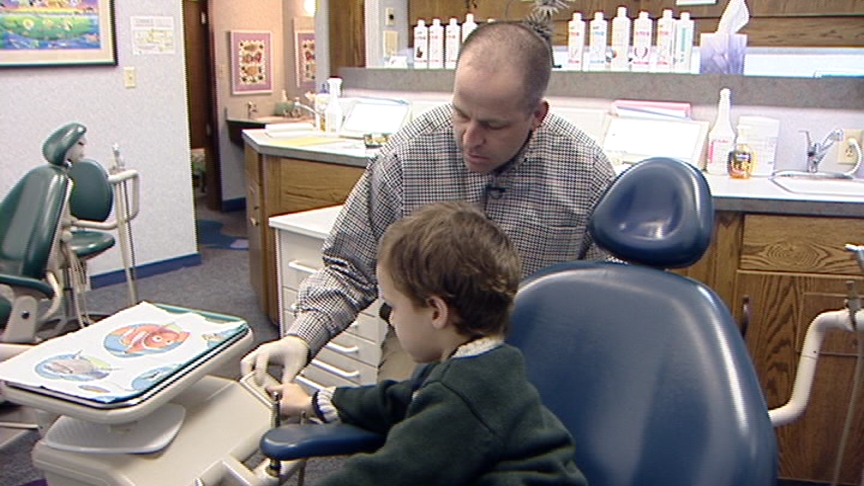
291	352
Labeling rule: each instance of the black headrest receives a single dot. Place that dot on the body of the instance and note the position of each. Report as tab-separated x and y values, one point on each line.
658	212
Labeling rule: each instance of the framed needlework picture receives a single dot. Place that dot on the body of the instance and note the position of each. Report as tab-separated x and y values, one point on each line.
58	33
305	59
251	62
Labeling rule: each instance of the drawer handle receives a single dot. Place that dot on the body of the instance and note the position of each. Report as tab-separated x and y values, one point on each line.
306	381
348	375
301	268
342	349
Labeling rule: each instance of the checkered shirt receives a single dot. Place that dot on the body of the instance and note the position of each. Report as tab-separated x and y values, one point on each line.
545	198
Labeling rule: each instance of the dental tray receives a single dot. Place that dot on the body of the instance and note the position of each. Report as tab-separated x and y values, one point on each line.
124	366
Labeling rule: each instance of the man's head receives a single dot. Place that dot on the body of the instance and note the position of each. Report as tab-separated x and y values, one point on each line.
446	264
501	79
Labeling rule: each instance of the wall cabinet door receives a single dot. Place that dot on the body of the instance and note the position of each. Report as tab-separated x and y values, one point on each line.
783	305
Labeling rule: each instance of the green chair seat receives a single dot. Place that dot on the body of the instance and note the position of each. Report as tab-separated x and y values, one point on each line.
86	243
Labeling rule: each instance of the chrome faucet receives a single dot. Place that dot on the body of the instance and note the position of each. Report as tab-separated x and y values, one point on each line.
816	151
251	110
301	106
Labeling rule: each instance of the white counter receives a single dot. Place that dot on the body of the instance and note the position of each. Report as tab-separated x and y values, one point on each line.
755	195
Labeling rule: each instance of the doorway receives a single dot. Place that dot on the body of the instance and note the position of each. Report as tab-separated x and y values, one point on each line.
201	103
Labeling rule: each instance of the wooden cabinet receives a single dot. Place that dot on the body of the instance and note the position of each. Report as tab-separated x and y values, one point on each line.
279	185
792	268
352	357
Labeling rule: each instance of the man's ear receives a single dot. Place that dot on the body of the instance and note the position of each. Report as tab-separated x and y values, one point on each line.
440	312
539	114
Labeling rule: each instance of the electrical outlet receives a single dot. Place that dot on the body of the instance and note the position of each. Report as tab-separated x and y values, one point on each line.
846	152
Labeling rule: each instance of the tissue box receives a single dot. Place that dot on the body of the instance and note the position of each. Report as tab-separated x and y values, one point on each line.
722	53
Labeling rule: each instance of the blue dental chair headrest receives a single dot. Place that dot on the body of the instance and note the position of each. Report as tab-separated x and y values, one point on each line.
58	143
660	215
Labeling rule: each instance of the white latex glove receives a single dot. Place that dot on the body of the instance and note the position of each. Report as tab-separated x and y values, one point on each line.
291	352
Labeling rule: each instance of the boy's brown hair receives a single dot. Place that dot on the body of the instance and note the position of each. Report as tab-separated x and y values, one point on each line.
452	250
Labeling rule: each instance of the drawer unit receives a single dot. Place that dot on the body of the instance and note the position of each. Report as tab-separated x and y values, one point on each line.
352	357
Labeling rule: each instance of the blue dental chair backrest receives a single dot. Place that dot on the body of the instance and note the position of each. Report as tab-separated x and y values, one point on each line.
92	196
647	368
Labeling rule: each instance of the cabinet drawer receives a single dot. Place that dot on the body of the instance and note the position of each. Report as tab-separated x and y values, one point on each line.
299	255
343	367
356	347
800	244
313	378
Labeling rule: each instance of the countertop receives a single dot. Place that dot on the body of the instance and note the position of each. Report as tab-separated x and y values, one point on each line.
754	195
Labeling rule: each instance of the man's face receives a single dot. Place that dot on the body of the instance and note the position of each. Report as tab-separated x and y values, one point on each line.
490	120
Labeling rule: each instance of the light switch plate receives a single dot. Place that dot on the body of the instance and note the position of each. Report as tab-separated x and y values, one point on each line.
129	77
389	17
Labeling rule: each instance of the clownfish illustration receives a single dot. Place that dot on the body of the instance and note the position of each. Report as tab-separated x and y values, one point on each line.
147	338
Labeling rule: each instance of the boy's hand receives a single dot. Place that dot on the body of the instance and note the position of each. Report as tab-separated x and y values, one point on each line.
295	400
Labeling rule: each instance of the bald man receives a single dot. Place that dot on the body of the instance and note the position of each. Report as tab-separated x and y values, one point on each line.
495	145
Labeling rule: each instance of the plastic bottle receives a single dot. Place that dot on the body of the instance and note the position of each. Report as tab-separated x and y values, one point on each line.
436	45
468	26
620	41
721	138
683	43
665	42
575	42
597	43
452	42
421	45
643	28
333	113
283	107
741	159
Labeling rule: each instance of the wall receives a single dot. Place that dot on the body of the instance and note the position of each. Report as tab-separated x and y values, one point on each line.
149	123
227	15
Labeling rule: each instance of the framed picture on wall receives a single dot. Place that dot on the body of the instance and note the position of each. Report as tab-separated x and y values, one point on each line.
251	54
305	59
58	33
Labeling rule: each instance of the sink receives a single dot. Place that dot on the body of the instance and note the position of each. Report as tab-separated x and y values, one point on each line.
821	186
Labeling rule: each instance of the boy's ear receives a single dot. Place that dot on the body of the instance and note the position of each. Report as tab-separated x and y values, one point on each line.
440	312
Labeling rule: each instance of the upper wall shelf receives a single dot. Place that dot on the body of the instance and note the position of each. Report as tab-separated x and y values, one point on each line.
836	93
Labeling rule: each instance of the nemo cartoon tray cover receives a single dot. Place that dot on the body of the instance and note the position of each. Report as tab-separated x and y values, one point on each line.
122	357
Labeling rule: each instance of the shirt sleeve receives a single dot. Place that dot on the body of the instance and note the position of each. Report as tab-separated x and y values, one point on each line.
329	300
441	441
605	174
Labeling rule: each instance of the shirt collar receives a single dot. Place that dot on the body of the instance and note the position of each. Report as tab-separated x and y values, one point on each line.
478	346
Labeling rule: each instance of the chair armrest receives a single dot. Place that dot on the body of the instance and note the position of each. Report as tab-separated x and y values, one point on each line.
298	441
40	286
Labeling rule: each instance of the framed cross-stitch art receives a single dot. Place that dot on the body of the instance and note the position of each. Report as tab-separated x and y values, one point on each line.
60	33
251	62
305	61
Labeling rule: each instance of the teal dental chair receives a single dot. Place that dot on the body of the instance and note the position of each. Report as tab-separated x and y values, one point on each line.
646	368
30	220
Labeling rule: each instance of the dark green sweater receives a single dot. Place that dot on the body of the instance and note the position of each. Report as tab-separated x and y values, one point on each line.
472	420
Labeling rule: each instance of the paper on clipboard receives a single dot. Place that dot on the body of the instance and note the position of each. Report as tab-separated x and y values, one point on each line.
630	140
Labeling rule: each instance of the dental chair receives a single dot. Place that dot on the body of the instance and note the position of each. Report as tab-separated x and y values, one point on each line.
30	220
646	368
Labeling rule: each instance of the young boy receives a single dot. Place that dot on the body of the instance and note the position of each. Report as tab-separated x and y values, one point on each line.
469	416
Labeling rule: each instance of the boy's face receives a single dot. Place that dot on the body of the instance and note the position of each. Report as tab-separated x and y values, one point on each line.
413	324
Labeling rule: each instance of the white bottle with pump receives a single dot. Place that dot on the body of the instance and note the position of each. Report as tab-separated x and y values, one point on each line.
643	28
575	42
683	50
333	113
421	45
436	45
597	43
452	42
721	138
665	42
468	26
620	41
